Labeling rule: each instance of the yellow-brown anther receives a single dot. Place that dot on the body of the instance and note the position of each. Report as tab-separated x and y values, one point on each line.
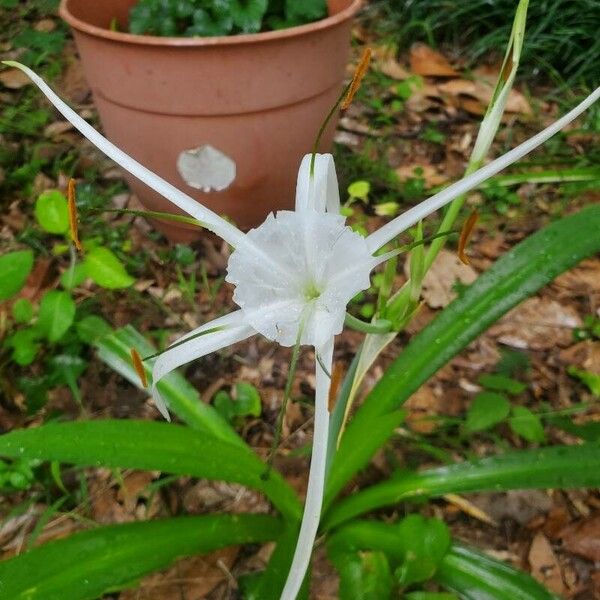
363	65
73	214
136	360
337	375
465	234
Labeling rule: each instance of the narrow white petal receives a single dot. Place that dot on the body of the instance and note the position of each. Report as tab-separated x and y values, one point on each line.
209	219
235	329
410	217
316	478
321	191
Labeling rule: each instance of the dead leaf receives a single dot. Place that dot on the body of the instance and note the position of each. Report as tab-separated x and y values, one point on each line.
45	25
430	175
421	406
191	578
14	79
584	278
544	565
583	538
73	83
426	61
465	92
537	323
585	355
57	128
440	279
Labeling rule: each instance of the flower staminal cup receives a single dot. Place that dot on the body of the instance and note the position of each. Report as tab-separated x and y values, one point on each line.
293	277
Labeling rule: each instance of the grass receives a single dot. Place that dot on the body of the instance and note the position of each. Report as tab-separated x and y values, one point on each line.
561	43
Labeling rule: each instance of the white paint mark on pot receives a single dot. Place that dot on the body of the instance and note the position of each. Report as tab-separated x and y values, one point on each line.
206	168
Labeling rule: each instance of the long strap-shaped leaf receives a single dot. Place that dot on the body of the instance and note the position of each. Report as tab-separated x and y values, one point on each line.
559	466
517	275
86	565
475	576
151	446
182	398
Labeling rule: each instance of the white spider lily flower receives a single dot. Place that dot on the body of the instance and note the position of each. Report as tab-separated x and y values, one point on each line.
294	276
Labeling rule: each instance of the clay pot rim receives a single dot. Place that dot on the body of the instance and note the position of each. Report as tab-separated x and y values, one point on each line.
223	40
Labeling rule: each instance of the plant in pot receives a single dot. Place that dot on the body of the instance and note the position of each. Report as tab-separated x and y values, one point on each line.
220	97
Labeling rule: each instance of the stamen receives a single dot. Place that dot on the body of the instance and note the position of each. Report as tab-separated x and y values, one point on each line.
465	235
336	380
136	360
72	205
359	74
345	98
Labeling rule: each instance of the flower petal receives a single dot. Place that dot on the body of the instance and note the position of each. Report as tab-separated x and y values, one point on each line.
414	215
207	217
235	329
321	191
316	477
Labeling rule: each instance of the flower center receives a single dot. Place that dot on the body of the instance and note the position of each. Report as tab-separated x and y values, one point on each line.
306	267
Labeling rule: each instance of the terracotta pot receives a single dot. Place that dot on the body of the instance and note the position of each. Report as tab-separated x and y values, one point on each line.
232	113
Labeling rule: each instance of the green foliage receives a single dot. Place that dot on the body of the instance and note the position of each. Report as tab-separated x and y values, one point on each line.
14	270
561	35
518	274
422	544
244	401
16	475
105	269
22	311
501	383
553	467
220	17
486	410
591	380
364	576
89	564
475	576
56	315
51	212
527	424
151	446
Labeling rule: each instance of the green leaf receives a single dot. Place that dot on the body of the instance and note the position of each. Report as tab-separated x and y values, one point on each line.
364	576
248	14
527	424
22	311
74	276
502	383
150	446
429	596
486	410
57	312
92	328
517	275
590	379
51	212
555	467
475	576
14	270
359	190
87	565
305	11
106	269
181	397
245	403
25	346
355	445
423	544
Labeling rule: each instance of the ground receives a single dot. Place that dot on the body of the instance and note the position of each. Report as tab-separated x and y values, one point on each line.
410	130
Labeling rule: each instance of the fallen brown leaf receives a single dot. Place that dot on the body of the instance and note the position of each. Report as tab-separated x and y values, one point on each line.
14	79
583	538
544	565
426	61
537	323
440	279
